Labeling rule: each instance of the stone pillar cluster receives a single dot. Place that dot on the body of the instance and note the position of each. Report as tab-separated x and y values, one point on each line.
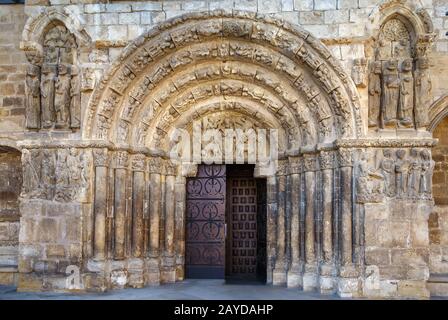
310	244
138	220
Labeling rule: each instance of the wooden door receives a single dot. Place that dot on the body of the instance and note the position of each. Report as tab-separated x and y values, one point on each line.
242	228
205	223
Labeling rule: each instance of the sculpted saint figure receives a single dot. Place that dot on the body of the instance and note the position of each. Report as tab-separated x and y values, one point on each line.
423	87
75	99
47	174
388	171
374	93
30	174
47	93
33	97
62	96
359	72
414	173
400	172
391	84
426	173
370	183
406	94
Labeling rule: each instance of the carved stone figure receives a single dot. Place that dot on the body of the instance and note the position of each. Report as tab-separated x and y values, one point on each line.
33	97
359	72
370	184
400	172
414	173
405	110
426	174
31	174
374	93
62	96
388	171
47	176
423	87
75	99
391	86
47	89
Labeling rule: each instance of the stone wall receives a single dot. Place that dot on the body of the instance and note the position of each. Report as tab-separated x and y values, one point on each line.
438	220
12	68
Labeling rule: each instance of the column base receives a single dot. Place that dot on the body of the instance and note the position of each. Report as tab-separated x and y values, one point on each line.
348	282
294	279
326	279
152	275
279	277
310	278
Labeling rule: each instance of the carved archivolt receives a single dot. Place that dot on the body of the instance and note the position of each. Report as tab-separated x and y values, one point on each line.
259	62
437	112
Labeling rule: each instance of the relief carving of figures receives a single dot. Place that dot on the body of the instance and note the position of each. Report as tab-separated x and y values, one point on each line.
401	173
57	99
405	110
33	97
414	173
75	99
374	93
71	178
423	87
391	86
359	71
387	167
31	174
47	88
47	174
370	183
427	169
62	96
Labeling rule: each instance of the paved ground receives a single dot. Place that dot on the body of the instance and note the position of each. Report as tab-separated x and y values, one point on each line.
188	290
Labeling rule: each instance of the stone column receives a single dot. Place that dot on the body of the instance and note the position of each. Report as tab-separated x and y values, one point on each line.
271	237
155	193
294	279
121	163
138	194
310	275
326	159
168	267
348	282
279	273
179	227
100	203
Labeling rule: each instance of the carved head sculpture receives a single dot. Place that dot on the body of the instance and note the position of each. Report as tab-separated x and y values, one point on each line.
387	153
414	152
63	69
401	153
426	156
423	63
407	65
392	65
376	67
47	69
73	152
32	70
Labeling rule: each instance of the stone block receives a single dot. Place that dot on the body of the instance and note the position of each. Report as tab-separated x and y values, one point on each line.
94	8
269	6
303	5
29	283
413	289
336	16
190	6
400	234
118	7
249	5
129	18
55	251
311	18
47	230
377	256
325	4
347	4
287	5
147	6
322	31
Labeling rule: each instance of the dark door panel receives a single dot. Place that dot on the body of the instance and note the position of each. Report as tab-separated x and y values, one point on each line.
205	227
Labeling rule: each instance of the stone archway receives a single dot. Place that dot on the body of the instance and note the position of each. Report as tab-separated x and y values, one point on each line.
242	65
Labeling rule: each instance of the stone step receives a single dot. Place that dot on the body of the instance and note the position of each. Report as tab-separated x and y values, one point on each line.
438	285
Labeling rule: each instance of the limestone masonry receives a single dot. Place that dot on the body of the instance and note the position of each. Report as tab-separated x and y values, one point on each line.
92	91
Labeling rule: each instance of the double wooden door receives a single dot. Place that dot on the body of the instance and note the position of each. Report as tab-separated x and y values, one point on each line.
225	234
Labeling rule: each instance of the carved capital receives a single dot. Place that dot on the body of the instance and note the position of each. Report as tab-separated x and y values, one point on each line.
121	159
295	165
170	168
309	163
282	167
155	165
345	158
138	162
100	157
326	160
